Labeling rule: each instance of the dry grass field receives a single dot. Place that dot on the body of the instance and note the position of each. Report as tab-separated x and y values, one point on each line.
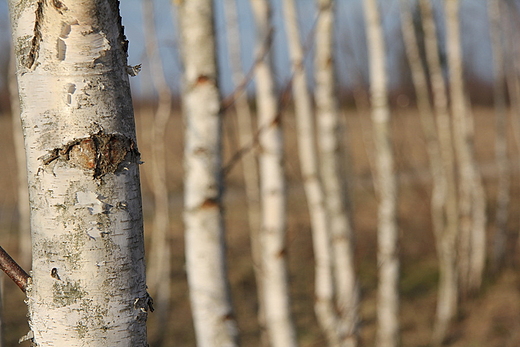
492	318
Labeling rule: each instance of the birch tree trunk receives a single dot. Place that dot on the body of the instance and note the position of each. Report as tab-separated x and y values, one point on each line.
205	241
275	286
324	281
24	219
159	268
472	251
499	96
333	176
446	242
88	274
388	261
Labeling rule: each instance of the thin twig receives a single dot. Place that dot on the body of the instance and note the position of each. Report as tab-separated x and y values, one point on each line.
282	102
13	270
237	156
229	100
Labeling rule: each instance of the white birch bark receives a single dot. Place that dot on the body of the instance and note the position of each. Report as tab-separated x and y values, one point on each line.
324	281
24	221
275	287
204	225
88	275
472	237
159	268
333	175
446	242
499	96
388	261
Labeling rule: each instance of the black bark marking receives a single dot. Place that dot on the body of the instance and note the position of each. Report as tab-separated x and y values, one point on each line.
30	61
59	6
102	153
54	274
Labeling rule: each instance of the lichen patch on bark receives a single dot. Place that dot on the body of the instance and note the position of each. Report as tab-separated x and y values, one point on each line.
100	153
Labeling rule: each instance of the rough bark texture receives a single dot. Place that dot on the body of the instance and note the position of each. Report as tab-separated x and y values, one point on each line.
88	275
333	175
275	286
446	241
324	281
205	244
388	261
24	219
472	234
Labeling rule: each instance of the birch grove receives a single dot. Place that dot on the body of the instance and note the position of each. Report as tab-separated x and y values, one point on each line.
204	224
368	173
87	282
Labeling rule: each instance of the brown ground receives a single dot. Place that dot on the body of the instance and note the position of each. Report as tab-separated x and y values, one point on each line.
490	319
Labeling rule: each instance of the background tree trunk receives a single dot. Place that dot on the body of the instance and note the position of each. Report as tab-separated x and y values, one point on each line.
159	268
499	97
275	286
387	258
333	175
472	204
446	242
88	275
324	281
204	235
246	139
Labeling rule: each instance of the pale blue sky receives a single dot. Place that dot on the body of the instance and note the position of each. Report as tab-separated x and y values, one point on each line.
351	51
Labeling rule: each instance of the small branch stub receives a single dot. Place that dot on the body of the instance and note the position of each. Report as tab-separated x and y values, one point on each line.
13	270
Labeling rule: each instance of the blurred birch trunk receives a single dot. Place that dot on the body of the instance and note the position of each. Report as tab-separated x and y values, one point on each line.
502	162
24	219
333	175
244	120
204	236
512	77
159	279
88	274
275	287
472	204
426	115
324	281
447	297
388	261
